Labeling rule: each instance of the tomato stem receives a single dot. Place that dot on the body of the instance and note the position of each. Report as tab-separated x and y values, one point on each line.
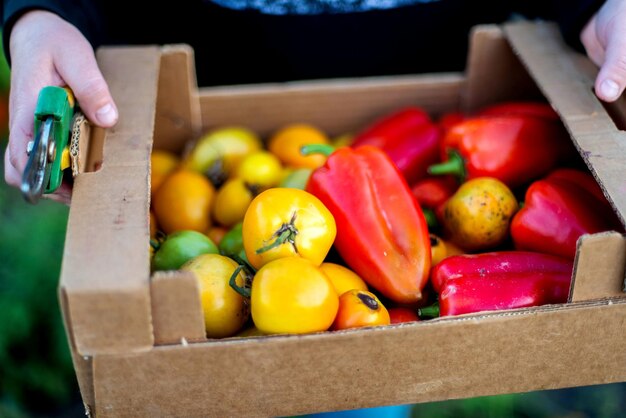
286	233
243	291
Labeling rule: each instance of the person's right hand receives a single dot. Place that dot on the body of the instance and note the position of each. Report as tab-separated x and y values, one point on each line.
604	39
47	50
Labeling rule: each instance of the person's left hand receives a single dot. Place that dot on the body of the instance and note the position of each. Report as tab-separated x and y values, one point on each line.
604	39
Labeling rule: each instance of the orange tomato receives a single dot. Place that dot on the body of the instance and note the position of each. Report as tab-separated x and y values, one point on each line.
286	144
360	308
162	163
216	233
184	202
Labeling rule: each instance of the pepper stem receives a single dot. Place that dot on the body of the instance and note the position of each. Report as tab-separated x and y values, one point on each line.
431	311
324	149
155	244
455	166
431	219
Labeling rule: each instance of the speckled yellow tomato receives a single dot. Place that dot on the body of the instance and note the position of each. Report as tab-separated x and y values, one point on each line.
360	308
291	295
478	215
342	278
231	202
286	144
283	222
225	310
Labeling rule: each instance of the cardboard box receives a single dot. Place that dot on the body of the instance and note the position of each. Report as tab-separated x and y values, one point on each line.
138	341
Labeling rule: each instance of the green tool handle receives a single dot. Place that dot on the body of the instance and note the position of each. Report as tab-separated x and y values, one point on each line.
58	103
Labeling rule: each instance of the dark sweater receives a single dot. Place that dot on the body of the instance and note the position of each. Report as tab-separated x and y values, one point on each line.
250	45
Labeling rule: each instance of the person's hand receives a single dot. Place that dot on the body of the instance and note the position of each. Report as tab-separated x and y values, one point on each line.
604	38
47	50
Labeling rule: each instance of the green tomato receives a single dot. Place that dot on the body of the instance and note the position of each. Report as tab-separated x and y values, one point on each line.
297	179
232	242
180	247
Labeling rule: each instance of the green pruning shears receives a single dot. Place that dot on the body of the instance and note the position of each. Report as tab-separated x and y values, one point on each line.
48	153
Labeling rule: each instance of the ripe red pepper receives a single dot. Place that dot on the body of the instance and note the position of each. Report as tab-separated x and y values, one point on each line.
496	263
432	193
500	280
513	149
381	231
533	109
408	137
558	210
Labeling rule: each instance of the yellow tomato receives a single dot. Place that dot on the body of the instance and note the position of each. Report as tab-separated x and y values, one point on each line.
284	222
231	202
220	150
292	295
286	144
360	308
184	202
342	278
225	310
441	249
162	163
344	140
260	170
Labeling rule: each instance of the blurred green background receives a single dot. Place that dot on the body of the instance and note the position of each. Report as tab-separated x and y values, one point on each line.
36	374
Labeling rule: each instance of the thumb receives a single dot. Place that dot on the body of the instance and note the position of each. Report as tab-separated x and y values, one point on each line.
611	79
78	67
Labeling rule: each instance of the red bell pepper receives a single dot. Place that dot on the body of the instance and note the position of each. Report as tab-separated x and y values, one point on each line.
558	210
500	280
533	109
408	137
432	193
512	149
450	119
381	231
496	263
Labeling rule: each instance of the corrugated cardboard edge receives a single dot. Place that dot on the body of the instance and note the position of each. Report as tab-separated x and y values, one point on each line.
178	107
526	350
566	78
266	107
599	267
105	292
491	62
176	308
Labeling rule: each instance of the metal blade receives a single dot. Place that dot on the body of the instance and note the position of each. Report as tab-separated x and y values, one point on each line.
36	174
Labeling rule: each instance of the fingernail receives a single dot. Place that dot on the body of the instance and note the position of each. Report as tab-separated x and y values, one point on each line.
107	115
609	89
